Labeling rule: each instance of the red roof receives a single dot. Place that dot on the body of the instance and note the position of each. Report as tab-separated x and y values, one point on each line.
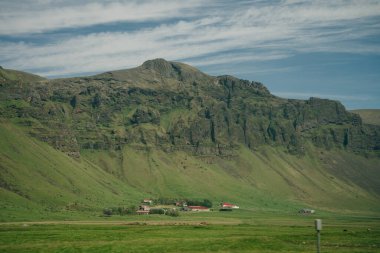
228	204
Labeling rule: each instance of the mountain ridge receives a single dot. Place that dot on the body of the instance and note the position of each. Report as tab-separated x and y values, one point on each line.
219	103
158	88
161	127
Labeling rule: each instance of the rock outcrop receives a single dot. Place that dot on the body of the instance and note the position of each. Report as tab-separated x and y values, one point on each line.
174	106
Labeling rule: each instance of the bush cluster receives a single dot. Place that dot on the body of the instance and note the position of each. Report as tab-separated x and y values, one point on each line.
171	211
119	210
157	211
205	202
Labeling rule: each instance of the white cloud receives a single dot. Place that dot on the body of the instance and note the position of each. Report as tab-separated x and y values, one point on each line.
51	16
236	58
256	32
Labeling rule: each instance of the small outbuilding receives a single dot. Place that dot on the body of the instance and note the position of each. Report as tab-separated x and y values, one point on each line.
228	205
306	211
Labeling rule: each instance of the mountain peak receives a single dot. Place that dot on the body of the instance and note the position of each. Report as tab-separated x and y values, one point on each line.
176	70
161	66
167	72
156	63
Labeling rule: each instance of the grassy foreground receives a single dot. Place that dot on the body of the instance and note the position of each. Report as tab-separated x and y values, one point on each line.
214	232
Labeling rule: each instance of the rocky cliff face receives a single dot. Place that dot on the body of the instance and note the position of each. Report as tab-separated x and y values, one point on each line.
173	106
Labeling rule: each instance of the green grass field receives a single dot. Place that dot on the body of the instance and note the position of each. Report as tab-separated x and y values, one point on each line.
238	231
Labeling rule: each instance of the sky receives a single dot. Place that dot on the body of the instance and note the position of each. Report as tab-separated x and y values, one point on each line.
298	49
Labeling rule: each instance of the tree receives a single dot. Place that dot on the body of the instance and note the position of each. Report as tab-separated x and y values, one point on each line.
207	203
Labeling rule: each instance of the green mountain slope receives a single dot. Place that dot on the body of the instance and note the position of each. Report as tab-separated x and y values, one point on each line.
14	75
369	116
255	178
74	146
38	181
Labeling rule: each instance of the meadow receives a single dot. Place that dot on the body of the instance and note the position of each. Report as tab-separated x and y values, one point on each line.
238	231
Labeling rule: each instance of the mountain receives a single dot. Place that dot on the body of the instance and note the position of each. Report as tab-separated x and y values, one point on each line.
369	116
165	129
14	75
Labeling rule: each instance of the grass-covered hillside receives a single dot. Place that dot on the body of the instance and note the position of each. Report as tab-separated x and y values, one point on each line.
369	116
39	182
14	75
71	147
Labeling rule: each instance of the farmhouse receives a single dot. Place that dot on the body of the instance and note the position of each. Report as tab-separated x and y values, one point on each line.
143	209
198	208
228	206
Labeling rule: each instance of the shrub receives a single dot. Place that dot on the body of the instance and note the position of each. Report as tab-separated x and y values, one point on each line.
119	210
107	212
131	209
205	202
157	211
145	114
165	201
172	212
